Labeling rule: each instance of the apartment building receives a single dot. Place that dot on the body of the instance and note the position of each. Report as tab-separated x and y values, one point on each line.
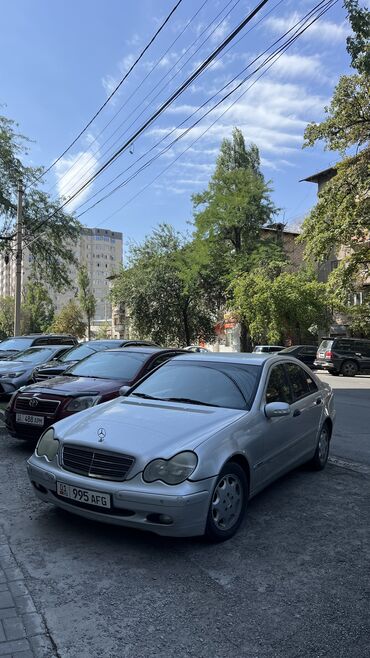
100	250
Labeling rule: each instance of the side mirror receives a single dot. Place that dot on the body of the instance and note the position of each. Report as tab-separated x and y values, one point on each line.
277	409
124	389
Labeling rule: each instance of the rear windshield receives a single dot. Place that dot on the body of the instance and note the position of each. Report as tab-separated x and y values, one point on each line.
325	345
16	343
110	365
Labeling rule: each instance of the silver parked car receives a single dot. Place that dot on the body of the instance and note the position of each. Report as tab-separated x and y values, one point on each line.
183	450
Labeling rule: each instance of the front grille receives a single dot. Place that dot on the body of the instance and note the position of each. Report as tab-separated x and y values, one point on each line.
98	464
36	405
38	377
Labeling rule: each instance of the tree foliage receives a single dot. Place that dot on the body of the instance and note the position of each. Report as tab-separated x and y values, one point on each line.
341	218
6	317
37	308
50	246
163	290
280	308
86	297
69	321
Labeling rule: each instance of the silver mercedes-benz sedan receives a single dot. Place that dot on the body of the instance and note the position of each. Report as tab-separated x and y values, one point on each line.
182	451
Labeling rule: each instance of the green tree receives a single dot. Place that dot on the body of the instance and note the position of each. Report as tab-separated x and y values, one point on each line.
341	218
50	245
86	297
282	307
104	331
230	213
37	308
69	321
6	317
163	290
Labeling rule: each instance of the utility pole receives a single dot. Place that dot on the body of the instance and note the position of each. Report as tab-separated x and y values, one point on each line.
18	271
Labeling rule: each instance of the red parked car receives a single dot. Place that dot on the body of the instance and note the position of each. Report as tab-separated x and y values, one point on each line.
96	379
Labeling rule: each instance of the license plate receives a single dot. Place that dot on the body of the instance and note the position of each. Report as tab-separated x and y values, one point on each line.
321	355
29	420
83	495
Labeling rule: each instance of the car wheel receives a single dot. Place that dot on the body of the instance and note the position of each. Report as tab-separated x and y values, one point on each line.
349	368
228	503
334	372
321	455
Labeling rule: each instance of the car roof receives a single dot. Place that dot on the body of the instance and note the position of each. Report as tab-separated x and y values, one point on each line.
148	349
255	358
47	347
42	336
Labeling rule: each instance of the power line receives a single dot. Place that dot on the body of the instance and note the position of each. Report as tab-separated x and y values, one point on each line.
163	107
279	52
304	19
114	90
91	158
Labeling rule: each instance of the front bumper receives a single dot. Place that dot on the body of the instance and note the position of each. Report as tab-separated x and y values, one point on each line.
23	431
135	504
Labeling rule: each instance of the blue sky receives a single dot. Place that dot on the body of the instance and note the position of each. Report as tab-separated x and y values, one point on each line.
61	60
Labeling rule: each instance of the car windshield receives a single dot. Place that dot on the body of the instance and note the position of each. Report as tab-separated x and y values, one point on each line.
78	353
16	344
34	355
215	384
109	365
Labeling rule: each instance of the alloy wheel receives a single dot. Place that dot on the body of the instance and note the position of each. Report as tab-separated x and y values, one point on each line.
227	502
323	445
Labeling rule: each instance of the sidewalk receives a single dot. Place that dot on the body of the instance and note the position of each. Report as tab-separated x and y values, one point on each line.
22	630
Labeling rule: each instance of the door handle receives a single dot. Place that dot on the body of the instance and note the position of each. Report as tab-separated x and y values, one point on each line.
296	413
318	401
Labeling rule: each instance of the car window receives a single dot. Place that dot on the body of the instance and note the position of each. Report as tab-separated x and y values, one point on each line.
298	380
278	389
78	353
346	346
312	386
42	341
34	355
222	385
325	345
159	360
363	348
310	349
16	343
109	365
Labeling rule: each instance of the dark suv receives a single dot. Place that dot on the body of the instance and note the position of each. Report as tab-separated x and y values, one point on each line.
10	346
346	356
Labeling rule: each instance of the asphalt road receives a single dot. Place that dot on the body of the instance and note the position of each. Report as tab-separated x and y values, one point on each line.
293	583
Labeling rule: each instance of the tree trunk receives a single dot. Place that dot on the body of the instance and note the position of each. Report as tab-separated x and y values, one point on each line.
186	324
245	341
88	328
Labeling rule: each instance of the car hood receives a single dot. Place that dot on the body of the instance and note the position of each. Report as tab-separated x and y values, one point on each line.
13	366
145	429
71	386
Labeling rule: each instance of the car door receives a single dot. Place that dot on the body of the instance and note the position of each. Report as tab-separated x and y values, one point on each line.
362	350
307	409
279	433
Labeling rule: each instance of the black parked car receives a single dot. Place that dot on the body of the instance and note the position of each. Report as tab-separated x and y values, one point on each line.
305	353
10	346
80	352
346	356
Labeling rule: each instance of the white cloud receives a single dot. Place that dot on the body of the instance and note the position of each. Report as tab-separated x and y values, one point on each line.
109	84
126	63
220	31
72	172
322	29
294	65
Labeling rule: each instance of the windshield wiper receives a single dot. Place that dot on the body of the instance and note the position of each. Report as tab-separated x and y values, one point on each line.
145	396
189	401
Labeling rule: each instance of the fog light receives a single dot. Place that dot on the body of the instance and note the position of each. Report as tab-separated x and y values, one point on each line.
164	519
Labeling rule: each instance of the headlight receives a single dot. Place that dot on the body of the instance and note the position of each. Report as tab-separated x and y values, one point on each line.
47	445
13	374
171	471
83	402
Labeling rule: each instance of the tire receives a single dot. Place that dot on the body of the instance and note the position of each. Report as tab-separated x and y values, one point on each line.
349	368
228	503
320	458
335	373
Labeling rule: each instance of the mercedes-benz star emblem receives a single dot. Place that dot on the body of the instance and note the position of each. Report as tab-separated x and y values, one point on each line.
101	434
33	402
